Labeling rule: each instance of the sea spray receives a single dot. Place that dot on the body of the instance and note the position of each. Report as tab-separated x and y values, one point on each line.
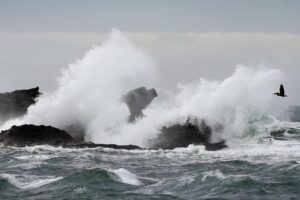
90	90
232	107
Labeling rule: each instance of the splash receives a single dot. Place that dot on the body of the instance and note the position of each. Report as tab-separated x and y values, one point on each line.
237	106
90	89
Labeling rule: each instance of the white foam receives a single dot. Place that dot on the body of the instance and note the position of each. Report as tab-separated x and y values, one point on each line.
215	173
127	176
25	183
186	180
35	157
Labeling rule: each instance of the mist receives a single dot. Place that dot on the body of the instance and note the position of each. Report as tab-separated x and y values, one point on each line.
89	97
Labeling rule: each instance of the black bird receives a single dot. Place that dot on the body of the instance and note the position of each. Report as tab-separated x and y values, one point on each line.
281	92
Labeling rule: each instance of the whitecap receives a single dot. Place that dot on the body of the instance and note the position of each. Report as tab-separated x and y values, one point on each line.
215	173
25	183
34	157
127	177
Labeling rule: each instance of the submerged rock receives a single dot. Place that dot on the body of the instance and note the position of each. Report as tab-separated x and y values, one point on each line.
137	100
15	104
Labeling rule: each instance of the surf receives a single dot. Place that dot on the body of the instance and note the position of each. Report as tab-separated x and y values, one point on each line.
89	94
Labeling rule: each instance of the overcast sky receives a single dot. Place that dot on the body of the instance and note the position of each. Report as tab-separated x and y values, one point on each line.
150	16
190	38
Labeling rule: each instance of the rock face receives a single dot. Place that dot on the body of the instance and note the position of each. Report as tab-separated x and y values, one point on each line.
14	104
137	100
30	135
182	135
179	135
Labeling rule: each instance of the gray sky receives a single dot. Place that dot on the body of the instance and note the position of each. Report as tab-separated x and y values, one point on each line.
150	16
153	15
190	38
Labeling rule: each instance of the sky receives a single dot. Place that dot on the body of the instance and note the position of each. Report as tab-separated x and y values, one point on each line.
190	39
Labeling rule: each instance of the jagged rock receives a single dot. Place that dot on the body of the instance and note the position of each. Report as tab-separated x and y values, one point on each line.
15	104
182	135
137	100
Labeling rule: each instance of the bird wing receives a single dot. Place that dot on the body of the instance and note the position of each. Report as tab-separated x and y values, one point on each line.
281	90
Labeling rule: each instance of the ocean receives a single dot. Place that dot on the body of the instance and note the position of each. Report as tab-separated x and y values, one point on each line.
262	160
266	168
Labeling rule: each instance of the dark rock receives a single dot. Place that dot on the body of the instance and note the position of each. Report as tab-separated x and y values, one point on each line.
30	135
15	104
183	135
180	135
137	100
177	135
93	145
215	146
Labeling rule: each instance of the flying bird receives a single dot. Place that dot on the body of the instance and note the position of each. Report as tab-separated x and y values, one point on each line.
281	92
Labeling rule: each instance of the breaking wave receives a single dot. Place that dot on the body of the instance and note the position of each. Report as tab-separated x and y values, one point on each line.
89	92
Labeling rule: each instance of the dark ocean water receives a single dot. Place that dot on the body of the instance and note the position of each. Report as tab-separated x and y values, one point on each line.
267	168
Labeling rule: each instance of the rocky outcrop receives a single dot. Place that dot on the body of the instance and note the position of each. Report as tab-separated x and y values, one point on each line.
177	135
137	100
15	104
182	135
31	135
93	145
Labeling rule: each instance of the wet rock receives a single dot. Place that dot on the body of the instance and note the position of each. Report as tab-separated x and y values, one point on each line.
215	146
93	145
15	104
183	135
137	100
31	135
179	135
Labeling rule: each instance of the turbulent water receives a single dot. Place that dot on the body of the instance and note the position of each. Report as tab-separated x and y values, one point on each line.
266	169
262	160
